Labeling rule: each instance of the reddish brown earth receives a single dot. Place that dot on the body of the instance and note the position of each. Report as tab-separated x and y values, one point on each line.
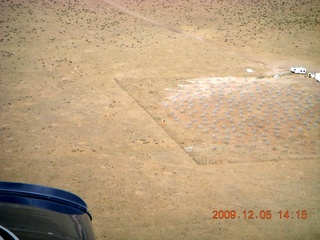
145	109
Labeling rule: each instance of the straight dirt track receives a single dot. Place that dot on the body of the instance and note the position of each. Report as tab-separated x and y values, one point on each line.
232	51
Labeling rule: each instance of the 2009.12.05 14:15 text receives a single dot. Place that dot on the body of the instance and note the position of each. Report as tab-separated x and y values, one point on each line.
262	214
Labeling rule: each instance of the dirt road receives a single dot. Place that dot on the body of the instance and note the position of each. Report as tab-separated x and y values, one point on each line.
233	51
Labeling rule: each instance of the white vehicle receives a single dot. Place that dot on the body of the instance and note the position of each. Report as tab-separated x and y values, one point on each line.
317	77
311	75
299	70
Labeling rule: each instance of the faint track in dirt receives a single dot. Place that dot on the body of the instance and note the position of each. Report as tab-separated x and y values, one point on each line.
190	158
198	38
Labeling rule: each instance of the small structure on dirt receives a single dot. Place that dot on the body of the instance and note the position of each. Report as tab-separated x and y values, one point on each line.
299	70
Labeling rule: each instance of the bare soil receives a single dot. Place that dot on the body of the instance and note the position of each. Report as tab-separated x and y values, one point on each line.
146	110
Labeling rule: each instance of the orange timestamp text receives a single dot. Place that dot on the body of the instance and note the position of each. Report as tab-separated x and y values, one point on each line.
262	214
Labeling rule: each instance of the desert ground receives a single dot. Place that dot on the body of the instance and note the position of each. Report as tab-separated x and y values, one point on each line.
160	114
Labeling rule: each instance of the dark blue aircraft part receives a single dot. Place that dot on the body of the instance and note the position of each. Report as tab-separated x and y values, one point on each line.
43	197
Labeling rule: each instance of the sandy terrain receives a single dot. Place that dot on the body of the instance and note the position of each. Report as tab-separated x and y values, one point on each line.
147	111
